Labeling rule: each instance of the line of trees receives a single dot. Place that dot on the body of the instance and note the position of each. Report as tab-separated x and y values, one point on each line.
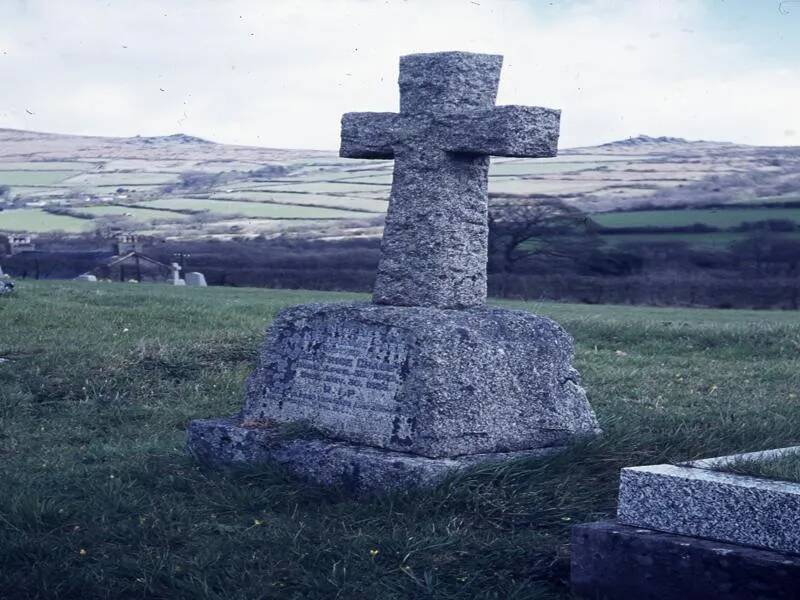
543	250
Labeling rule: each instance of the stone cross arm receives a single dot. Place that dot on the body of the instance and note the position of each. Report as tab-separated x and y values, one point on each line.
515	131
435	240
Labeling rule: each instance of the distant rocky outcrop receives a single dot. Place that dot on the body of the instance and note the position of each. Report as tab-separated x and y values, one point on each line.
641	140
175	138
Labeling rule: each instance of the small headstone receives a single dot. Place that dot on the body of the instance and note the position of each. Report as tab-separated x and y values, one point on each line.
86	277
175	274
405	390
195	279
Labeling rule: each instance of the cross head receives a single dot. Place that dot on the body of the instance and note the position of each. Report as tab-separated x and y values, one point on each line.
435	241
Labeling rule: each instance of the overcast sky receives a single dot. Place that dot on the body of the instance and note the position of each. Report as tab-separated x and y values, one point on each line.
280	73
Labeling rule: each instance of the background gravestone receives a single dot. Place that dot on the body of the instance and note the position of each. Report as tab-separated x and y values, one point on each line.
193	278
175	274
426	379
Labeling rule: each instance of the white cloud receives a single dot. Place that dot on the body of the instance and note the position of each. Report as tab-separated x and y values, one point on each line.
281	73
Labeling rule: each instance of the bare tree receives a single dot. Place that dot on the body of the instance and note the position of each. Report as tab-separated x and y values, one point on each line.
519	230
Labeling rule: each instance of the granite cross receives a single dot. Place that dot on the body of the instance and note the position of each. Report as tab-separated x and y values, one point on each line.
434	248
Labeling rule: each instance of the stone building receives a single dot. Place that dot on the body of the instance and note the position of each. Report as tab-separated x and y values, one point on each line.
12	243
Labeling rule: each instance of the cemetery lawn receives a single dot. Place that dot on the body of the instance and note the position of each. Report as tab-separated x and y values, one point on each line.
98	498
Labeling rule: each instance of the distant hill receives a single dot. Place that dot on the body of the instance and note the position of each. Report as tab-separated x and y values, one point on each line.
181	186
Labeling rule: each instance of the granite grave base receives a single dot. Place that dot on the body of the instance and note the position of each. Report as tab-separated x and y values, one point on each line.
435	382
696	499
619	562
362	469
403	395
427	379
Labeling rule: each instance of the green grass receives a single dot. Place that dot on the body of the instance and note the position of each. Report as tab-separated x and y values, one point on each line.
538	167
122	179
99	499
33	178
47	165
139	214
35	220
513	185
325	187
783	468
717	217
357	204
256	209
720	239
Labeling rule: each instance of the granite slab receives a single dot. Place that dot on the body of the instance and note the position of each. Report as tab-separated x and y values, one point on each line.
700	501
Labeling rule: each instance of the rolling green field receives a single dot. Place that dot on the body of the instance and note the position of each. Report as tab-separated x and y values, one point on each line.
256	210
718	240
336	187
537	167
717	217
138	214
47	165
33	178
122	179
35	220
100	500
357	204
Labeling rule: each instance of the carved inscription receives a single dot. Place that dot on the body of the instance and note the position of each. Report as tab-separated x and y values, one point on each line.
348	368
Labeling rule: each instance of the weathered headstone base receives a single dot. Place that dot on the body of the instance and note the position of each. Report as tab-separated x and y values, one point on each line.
611	561
426	381
363	469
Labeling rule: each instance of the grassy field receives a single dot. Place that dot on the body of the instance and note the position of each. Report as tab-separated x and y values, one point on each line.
46	165
100	500
33	178
717	217
35	220
257	209
357	204
138	214
718	240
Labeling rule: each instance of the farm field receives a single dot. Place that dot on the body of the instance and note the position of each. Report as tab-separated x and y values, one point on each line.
717	217
256	209
717	240
121	179
100	499
33	178
138	214
47	165
358	204
37	221
611	182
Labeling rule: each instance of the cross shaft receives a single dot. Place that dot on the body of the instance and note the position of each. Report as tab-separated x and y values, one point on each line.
434	248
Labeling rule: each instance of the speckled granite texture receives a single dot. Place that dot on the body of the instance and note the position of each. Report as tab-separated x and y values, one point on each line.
361	469
427	379
617	562
438	383
435	241
712	504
